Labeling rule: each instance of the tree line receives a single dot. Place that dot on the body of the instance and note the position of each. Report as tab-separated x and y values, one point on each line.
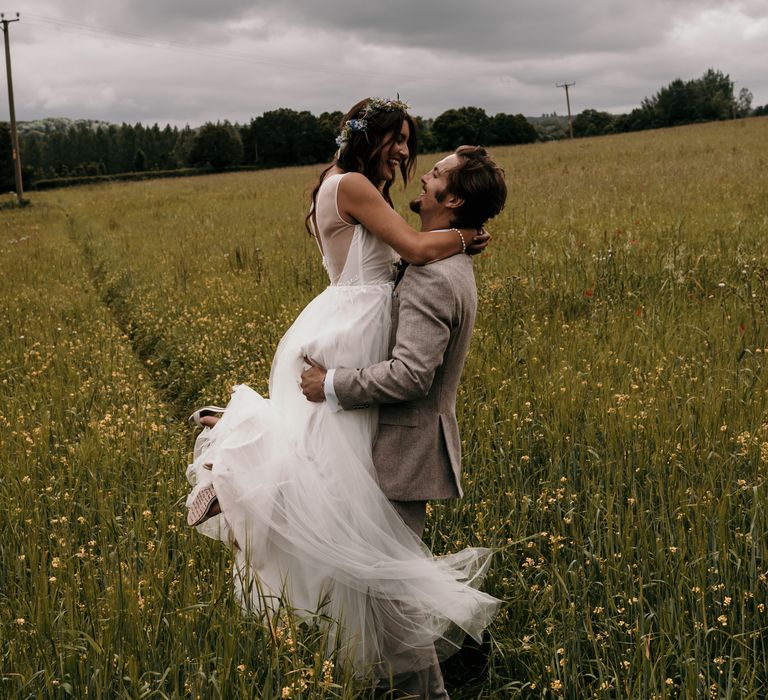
59	149
279	137
708	98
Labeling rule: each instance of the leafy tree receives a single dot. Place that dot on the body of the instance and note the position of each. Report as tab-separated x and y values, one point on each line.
744	103
248	139
507	129
714	93
673	104
183	146
126	148
152	145
7	167
58	152
286	137
638	119
682	102
168	141
761	111
32	148
274	134
466	125
139	161
312	143
217	145
593	123
427	143
330	123
106	146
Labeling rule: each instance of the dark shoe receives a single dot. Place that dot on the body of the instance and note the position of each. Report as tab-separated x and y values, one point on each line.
468	665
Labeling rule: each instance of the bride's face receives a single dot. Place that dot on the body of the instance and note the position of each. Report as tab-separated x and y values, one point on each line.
394	152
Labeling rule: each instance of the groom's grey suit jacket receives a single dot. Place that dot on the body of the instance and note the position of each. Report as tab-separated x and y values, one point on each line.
417	452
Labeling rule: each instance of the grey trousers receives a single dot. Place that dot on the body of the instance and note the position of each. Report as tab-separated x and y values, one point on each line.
414	513
426	684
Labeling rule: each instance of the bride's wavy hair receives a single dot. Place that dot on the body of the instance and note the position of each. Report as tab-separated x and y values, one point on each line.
360	152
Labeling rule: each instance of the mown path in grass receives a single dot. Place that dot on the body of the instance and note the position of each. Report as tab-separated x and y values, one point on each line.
613	413
103	590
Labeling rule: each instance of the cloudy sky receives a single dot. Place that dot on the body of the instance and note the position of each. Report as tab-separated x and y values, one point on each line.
189	61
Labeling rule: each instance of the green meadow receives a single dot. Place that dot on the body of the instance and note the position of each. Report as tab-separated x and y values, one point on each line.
614	414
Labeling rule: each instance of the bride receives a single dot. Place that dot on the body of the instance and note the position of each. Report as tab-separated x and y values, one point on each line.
290	484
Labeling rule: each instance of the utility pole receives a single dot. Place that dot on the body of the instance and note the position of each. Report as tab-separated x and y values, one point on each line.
14	135
568	102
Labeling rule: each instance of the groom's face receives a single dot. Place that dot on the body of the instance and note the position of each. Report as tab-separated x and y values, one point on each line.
434	188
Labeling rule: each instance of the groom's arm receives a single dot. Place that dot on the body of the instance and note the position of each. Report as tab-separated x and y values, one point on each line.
426	317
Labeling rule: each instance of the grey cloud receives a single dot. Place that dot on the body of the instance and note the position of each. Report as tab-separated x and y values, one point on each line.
324	55
499	28
493	27
197	22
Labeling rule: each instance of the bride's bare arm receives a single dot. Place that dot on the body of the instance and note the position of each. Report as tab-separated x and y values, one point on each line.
359	200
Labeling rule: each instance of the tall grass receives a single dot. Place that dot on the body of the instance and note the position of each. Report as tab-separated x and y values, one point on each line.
613	412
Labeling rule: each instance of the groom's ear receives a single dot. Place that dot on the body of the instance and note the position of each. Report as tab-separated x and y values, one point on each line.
452	201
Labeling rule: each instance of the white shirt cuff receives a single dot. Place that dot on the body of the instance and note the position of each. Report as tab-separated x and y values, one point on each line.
330	394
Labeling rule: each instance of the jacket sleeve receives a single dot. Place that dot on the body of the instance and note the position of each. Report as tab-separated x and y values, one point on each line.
426	317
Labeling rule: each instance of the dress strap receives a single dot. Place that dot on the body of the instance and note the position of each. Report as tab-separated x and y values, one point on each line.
333	233
315	232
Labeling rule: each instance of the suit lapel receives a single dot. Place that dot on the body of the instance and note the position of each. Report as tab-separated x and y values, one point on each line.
394	319
401	268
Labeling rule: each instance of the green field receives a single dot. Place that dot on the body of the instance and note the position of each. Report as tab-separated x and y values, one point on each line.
614	412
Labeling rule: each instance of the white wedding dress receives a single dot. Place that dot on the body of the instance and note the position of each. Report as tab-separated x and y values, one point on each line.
298	490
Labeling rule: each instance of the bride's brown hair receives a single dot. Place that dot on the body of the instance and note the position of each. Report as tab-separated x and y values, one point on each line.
360	151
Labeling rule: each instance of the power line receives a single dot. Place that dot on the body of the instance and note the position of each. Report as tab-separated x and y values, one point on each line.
568	102
12	109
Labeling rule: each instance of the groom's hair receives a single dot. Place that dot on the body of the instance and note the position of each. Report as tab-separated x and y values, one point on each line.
480	183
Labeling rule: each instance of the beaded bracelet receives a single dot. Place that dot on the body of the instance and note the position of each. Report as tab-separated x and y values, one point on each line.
463	244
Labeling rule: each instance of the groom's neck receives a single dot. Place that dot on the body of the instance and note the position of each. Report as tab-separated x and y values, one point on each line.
435	223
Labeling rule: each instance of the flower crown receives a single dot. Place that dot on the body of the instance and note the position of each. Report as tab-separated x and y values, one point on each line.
375	104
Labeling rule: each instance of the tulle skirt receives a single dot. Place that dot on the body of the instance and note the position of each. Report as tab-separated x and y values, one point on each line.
299	496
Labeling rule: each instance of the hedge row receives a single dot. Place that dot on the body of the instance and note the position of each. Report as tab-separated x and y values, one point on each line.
56	182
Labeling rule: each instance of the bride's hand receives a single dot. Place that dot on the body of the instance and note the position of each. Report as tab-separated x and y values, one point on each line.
479	242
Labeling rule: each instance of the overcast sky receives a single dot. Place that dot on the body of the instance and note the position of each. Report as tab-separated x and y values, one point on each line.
190	61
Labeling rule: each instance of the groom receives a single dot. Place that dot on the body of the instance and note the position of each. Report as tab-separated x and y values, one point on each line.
417	452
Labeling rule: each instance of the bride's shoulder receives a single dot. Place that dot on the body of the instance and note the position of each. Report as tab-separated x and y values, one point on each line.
331	176
355	179
356	185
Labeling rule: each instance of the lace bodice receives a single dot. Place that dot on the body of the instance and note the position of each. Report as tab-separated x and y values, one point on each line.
351	255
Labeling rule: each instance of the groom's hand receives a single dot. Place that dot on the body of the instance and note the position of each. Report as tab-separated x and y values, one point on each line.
313	380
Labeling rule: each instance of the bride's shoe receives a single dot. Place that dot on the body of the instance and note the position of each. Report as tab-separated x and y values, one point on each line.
201	508
194	419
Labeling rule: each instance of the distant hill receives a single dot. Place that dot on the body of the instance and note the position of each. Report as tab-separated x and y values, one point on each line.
550	127
557	118
51	125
